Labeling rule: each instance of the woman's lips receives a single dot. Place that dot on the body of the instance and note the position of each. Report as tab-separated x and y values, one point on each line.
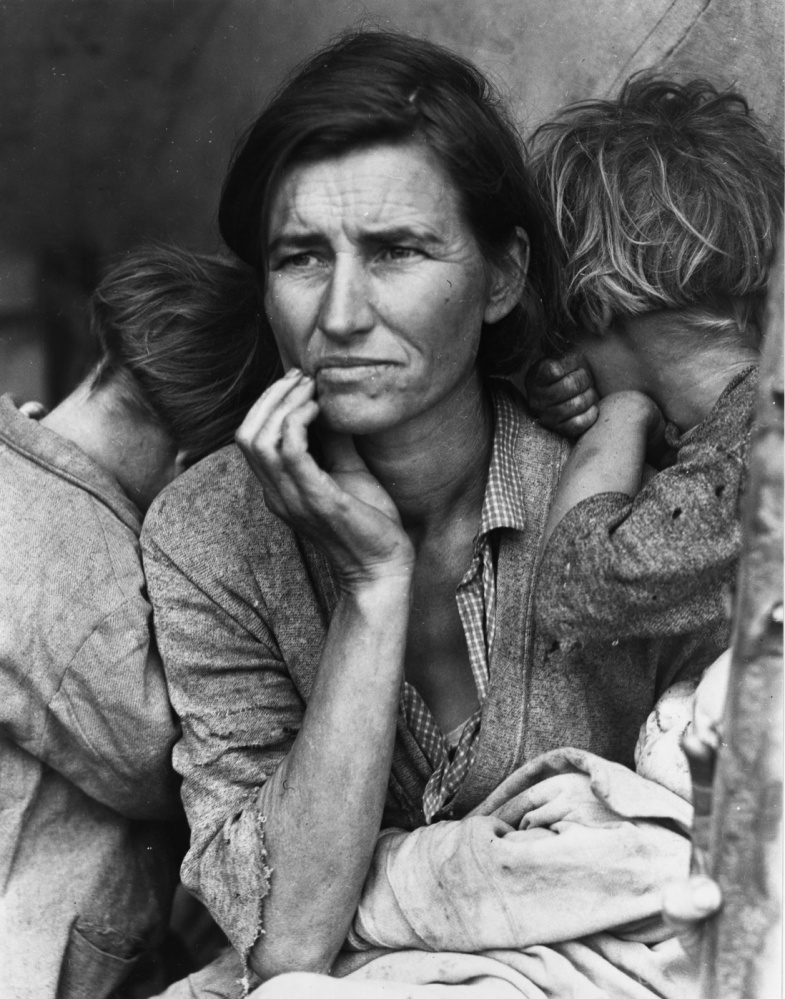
350	371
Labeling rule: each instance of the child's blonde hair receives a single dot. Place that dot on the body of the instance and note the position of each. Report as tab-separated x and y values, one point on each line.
669	197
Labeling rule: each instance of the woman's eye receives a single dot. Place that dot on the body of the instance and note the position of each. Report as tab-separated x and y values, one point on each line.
299	261
399	252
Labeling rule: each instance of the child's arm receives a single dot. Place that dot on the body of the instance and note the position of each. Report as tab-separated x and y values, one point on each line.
611	455
656	564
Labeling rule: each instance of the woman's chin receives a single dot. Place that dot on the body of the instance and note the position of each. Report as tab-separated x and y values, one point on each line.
352	414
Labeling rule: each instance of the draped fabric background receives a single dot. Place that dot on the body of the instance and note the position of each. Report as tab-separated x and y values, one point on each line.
117	117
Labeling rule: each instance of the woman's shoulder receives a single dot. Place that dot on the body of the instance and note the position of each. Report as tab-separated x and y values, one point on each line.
220	490
215	510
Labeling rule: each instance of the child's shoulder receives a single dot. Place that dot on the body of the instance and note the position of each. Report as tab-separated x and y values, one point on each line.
730	421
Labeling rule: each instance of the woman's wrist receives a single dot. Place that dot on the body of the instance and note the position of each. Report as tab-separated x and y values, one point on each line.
382	586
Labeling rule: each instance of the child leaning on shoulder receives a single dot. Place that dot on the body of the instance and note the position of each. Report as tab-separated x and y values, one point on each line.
668	201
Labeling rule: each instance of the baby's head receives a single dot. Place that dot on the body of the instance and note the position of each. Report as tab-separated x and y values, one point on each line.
667	198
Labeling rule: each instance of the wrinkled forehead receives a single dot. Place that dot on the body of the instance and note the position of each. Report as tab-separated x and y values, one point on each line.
385	185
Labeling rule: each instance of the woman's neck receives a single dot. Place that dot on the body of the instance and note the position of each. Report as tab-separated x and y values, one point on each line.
435	467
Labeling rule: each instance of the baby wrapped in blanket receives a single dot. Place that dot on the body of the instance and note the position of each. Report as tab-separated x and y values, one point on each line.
526	895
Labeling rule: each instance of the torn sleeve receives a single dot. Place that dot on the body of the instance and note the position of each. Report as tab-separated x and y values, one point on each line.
239	713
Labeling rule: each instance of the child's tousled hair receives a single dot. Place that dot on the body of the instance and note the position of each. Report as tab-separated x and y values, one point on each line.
181	334
669	197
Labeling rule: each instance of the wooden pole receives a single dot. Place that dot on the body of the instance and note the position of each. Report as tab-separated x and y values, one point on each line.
741	951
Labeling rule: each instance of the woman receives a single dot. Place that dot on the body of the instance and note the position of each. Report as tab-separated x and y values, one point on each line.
349	647
90	835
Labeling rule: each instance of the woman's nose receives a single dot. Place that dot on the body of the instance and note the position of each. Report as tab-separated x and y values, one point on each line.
346	307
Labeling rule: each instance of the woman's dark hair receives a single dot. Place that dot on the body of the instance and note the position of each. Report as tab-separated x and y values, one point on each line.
372	87
181	335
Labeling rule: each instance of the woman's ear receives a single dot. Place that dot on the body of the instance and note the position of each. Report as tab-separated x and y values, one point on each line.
509	279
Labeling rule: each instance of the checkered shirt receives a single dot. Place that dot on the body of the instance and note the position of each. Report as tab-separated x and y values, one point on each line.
502	507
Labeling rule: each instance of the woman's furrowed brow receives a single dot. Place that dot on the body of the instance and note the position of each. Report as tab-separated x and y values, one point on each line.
294	241
401	234
371	234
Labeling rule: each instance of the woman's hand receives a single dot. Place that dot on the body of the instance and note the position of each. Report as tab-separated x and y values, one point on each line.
564	798
341	508
562	394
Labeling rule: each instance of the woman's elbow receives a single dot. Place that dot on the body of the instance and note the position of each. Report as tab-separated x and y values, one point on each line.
272	957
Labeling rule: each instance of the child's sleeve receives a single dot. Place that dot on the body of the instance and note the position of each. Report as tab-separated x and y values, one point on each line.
654	565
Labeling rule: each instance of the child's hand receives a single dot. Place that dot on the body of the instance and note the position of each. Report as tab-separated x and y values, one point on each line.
686	904
561	393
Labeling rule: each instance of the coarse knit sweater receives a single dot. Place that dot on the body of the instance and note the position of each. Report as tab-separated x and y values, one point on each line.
88	856
242	606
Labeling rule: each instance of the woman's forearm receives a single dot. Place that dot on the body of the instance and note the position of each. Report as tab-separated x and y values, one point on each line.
323	806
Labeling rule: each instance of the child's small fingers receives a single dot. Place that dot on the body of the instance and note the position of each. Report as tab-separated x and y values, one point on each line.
578	425
571	386
576	405
575	382
543	373
686	903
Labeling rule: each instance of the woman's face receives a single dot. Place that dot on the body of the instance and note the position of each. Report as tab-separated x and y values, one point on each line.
376	285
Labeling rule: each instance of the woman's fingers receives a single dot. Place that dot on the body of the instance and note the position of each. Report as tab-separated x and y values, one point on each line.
293	437
260	436
340	507
340	453
276	400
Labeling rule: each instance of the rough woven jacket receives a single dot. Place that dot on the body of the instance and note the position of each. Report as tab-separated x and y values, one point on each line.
242	607
86	729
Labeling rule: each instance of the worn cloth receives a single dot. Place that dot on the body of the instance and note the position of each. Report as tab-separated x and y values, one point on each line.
242	607
658	564
87	862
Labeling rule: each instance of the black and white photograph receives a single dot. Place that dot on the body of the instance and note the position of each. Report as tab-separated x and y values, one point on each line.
391	499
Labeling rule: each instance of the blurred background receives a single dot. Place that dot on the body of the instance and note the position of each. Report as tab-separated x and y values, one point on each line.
117	117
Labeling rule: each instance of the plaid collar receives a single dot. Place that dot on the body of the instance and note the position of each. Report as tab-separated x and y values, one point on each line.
503	504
